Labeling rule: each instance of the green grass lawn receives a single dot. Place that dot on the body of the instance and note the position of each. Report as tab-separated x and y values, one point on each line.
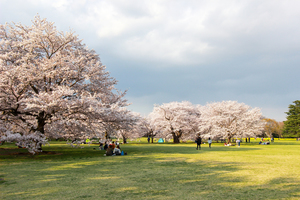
153	171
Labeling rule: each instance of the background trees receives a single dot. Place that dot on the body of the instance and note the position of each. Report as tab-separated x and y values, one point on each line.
272	128
133	129
148	129
228	119
51	84
218	120
292	124
176	120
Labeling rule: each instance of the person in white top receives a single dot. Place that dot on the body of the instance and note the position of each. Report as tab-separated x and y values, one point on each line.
209	142
117	150
238	142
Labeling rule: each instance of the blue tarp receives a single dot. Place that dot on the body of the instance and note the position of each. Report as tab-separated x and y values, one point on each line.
161	140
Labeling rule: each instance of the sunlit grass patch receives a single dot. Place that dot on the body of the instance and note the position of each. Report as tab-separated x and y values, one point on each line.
122	189
69	166
189	181
103	178
50	179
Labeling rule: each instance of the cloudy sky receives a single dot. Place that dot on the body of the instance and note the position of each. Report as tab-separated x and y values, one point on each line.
194	50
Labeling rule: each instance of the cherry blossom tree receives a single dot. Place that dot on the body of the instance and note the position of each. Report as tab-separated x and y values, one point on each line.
131	130
176	120
52	85
148	129
228	119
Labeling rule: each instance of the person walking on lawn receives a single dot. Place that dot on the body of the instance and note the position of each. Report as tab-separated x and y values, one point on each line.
198	141
209	142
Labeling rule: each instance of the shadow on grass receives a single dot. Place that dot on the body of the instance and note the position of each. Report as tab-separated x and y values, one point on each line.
61	151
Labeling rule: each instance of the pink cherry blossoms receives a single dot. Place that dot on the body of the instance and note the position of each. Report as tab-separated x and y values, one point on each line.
53	86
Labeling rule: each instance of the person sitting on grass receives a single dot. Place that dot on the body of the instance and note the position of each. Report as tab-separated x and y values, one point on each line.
105	146
109	150
113	144
101	146
117	150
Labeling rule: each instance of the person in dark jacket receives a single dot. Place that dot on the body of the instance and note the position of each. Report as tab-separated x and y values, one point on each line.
105	146
198	141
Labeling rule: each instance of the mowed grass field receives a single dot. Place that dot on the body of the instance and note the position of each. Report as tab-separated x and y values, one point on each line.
153	171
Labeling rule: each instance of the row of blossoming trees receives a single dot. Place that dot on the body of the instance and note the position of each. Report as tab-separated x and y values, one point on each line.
218	120
53	86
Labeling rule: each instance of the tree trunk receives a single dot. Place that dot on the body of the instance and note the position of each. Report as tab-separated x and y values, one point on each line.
41	126
151	135
229	140
176	137
124	140
41	122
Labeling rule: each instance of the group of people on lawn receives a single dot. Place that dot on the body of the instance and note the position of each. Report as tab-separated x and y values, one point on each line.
198	141
111	148
265	143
